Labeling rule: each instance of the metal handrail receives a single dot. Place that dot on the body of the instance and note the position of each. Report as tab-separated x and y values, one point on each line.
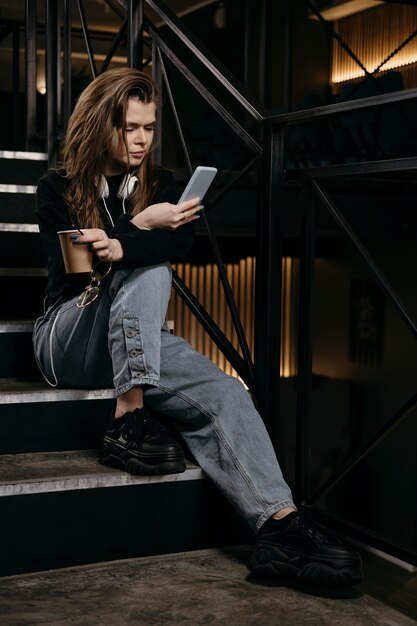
331	110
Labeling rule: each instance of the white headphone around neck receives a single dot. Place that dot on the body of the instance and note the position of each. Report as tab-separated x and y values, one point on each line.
126	188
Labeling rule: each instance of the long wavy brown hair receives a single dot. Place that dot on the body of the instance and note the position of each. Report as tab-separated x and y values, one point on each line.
94	131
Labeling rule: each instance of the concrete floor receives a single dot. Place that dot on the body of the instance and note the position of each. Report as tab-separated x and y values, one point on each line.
191	589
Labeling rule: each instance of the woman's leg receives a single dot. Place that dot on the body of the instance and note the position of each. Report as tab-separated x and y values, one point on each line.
113	341
213	412
116	339
216	417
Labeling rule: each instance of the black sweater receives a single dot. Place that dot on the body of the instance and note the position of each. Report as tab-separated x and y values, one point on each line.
141	247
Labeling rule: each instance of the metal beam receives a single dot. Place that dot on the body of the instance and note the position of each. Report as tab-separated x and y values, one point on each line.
90	54
331	110
16	88
354	169
269	280
67	96
135	33
113	48
30	77
305	342
51	81
175	113
374	268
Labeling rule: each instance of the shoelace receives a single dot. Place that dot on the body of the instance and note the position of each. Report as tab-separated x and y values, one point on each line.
147	425
312	532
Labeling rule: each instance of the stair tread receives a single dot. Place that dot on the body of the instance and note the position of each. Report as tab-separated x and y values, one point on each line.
12	227
15	188
16	326
23	155
23	272
19	390
42	472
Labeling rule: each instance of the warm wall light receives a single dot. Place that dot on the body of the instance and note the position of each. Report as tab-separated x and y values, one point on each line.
337	9
390	65
373	36
204	282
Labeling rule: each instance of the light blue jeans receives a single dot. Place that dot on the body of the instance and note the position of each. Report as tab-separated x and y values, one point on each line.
122	340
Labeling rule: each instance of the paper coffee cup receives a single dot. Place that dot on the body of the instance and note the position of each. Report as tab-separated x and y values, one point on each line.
77	257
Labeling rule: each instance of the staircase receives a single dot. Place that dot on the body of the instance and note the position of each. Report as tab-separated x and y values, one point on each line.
58	505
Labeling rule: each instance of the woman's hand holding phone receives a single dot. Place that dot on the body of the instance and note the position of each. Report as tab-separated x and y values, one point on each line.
167	216
172	216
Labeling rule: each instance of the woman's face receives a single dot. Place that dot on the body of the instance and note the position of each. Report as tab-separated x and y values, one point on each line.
139	130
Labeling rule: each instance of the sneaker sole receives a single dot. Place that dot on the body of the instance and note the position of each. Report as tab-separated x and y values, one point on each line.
124	460
316	572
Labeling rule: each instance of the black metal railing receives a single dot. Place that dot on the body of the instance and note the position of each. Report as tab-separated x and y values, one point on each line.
264	136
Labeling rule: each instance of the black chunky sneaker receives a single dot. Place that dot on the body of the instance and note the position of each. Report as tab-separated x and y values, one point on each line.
295	548
139	444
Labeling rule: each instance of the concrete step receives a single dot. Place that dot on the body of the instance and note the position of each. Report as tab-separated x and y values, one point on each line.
65	509
21	391
46	472
19	174
199	588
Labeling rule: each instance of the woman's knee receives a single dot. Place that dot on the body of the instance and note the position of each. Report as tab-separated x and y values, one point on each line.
231	393
154	279
160	273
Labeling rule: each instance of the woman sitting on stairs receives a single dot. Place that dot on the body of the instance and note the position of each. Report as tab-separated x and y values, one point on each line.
109	329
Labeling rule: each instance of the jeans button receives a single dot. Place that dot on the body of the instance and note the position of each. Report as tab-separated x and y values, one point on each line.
134	353
130	332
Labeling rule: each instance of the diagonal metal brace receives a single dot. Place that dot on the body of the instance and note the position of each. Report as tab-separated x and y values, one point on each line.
373	266
213	331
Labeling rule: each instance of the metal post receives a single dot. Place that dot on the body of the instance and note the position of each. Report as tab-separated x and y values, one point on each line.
247	47
51	80
16	88
87	39
135	33
254	60
58	78
157	76
268	281
30	78
288	56
263	45
67	96
303	438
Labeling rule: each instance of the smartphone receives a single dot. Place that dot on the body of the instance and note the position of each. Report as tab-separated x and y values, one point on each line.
199	182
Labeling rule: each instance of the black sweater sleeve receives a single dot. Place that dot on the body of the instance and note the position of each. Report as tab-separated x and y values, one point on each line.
149	247
141	247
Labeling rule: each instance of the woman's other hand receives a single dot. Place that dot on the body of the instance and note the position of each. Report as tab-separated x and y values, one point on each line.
167	216
104	248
